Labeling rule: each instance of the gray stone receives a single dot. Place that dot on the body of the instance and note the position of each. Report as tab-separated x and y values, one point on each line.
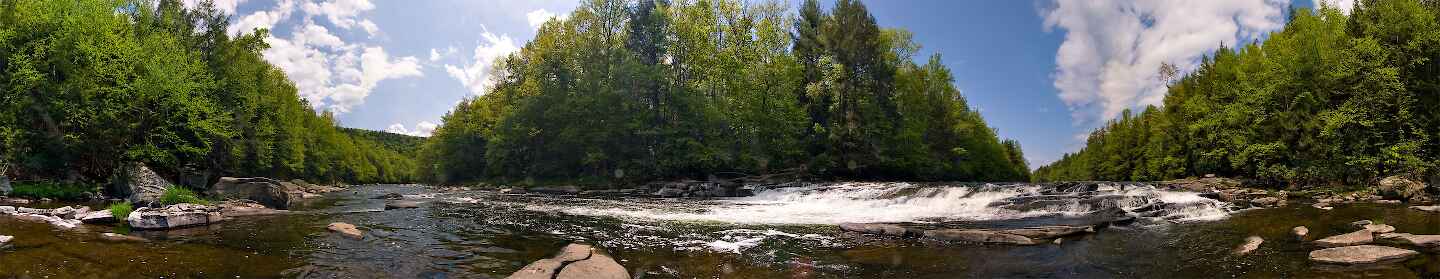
266	191
881	229
52	220
5	188
1380	228
142	186
7	210
1361	223
541	269
346	230
598	266
1400	187
978	236
246	208
98	217
1355	238
575	261
1420	240
1267	202
1251	243
1300	232
174	216
401	205
1363	254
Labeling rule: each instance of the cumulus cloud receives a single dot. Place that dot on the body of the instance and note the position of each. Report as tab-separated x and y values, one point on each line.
329	72
539	17
1343	5
476	75
1113	49
228	6
263	19
422	129
436	54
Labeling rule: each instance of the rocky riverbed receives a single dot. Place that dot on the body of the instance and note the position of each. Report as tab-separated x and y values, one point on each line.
868	230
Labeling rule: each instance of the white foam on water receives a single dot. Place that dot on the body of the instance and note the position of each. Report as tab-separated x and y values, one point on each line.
894	202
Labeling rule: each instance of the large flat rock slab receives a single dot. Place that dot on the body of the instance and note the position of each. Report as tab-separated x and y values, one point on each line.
575	261
1361	254
1359	237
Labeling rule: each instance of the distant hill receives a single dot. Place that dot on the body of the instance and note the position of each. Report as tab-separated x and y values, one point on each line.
404	144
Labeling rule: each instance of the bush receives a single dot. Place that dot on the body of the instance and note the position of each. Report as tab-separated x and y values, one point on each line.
52	190
121	210
178	195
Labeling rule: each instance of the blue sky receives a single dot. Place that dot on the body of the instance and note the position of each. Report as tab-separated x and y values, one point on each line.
1044	72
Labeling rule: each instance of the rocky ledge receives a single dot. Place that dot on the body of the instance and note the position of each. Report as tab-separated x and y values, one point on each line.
1362	254
69	217
575	261
191	215
1021	236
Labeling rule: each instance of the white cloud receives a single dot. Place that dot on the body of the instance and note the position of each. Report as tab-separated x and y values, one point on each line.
263	19
1113	48
370	27
1343	5
422	129
228	6
329	72
539	17
475	76
341	13
436	55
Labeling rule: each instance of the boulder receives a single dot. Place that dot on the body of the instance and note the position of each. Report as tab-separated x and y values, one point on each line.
978	236
7	210
98	217
556	190
1300	232
401	205
346	230
1380	228
52	220
1268	202
1400	187
1423	241
243	208
1363	254
598	266
141	186
174	216
881	229
5	188
1350	239
1251	243
115	237
575	261
1428	208
266	191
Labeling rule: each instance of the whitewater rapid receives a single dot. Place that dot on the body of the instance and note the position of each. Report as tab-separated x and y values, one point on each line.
836	203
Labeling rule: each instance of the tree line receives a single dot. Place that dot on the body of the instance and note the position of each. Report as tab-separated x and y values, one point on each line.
90	86
1330	99
626	91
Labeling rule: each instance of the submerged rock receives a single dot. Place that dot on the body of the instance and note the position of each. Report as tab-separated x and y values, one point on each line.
121	238
174	216
575	261
401	205
389	196
881	229
1355	238
1300	232
1251	243
1363	254
978	236
346	230
1427	208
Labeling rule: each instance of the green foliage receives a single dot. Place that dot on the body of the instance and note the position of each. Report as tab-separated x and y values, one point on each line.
104	83
179	195
632	91
121	210
1328	100
52	190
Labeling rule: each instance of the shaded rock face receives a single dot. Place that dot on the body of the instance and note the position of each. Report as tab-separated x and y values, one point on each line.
141	186
174	216
1400	187
575	261
266	191
1362	254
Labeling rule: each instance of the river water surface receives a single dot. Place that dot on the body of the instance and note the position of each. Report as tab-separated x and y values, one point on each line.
779	233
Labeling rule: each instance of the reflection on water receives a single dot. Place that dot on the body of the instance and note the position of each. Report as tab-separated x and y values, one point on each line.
780	233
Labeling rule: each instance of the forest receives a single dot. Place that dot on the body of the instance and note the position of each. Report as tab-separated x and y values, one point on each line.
90	86
1329	100
627	91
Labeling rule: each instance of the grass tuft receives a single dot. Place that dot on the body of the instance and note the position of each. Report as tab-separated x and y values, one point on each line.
178	195
121	210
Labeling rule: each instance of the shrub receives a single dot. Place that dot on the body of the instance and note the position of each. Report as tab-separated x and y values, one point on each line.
178	195
52	190
121	210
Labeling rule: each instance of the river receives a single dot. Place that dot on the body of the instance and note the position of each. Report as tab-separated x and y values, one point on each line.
778	233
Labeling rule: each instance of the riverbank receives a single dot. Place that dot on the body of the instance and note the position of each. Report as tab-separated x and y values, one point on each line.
782	232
